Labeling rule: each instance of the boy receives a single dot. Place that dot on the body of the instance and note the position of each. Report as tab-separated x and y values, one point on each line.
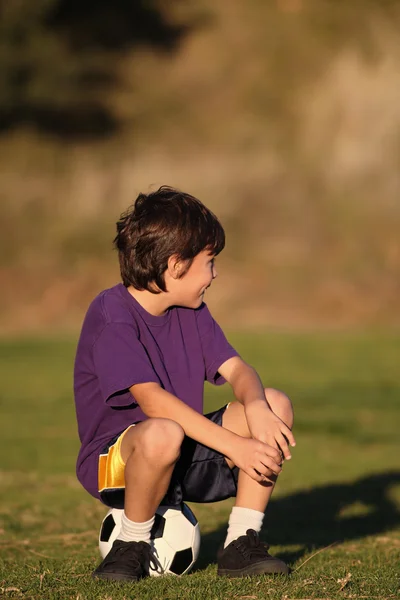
146	347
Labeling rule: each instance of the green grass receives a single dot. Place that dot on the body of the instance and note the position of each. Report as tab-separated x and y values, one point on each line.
334	516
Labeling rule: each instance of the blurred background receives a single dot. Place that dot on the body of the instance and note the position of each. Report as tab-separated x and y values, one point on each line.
283	116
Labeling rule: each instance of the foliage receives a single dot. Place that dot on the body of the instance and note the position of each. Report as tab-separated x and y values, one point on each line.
58	58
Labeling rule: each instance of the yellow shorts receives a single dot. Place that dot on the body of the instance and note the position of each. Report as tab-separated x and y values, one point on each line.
111	466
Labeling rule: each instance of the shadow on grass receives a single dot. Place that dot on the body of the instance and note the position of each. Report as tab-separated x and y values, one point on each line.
322	515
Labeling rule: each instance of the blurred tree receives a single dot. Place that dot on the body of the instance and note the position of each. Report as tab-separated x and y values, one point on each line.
57	59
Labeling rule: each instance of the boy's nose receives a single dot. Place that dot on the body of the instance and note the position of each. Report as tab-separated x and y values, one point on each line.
214	272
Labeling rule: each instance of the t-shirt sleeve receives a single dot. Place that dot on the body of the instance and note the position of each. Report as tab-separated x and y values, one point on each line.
120	361
215	347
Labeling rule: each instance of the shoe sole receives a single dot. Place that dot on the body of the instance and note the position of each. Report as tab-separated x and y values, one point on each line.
256	569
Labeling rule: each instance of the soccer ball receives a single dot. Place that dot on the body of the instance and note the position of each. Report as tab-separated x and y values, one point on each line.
175	538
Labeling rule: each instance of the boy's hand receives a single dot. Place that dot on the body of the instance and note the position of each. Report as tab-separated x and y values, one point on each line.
267	427
256	458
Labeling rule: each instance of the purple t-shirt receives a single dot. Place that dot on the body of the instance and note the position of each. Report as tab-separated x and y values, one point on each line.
121	344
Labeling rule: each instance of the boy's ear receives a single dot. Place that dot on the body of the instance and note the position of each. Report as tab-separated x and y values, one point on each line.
174	266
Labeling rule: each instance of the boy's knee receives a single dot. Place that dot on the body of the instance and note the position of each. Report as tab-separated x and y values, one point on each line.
161	440
280	404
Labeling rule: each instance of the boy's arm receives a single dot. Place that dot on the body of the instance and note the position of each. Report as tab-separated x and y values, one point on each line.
264	425
253	456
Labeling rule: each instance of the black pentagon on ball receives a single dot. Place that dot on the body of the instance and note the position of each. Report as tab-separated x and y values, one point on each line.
188	514
157	531
181	561
107	528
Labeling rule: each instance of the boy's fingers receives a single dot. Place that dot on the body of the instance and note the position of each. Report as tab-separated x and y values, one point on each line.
262	470
290	437
254	474
284	447
270	449
274	452
271	465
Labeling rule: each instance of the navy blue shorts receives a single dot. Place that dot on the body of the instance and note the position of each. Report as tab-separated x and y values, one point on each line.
201	474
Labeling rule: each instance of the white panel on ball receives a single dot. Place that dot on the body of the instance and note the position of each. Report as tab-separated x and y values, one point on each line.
175	538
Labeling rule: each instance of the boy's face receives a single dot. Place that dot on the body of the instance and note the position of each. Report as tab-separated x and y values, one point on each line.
192	286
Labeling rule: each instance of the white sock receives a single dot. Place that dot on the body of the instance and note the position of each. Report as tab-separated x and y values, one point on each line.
135	532
242	519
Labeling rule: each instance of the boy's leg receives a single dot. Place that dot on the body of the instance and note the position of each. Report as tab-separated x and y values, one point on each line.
250	493
149	450
242	553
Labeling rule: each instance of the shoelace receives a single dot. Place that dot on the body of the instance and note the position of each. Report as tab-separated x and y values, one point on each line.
136	556
149	559
251	546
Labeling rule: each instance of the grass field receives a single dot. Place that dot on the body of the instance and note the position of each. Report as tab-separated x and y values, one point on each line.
334	517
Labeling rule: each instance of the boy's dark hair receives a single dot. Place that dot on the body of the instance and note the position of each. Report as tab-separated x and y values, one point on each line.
159	225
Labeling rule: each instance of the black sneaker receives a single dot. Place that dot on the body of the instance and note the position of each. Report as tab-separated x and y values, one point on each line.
248	556
129	561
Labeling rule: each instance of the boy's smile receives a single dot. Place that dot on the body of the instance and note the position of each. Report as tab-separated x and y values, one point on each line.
193	285
187	290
